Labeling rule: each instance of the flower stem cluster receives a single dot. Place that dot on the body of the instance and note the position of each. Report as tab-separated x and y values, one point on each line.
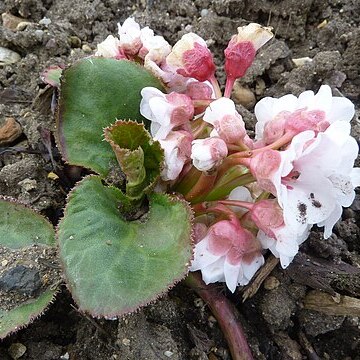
248	195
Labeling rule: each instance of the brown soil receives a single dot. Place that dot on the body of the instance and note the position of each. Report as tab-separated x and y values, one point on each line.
180	326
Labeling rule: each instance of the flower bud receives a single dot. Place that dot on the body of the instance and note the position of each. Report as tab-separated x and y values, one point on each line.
208	153
191	58
177	150
241	50
129	33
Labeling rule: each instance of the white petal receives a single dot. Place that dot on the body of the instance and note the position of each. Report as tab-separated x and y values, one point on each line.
232	273
355	177
342	110
202	256
250	269
214	272
331	220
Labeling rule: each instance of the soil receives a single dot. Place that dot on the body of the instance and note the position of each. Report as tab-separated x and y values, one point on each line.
180	326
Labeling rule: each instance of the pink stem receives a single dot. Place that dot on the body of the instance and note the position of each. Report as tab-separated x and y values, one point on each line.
202	187
216	86
229	86
226	315
243	204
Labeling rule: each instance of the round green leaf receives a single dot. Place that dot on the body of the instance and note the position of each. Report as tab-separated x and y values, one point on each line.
113	266
17	318
94	93
21	226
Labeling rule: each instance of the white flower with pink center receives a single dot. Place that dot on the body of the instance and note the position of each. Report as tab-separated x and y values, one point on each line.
190	57
316	177
208	153
177	150
307	112
227	253
165	111
228	123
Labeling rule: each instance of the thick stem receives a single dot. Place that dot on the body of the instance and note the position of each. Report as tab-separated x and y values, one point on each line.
226	315
188	180
243	204
202	187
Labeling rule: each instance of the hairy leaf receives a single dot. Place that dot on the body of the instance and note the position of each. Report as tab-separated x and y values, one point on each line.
113	266
94	93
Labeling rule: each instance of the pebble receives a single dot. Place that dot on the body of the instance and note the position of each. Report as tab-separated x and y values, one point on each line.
28	184
45	21
12	22
271	283
23	25
126	341
66	356
204	12
9	131
243	96
168	353
74	41
39	34
17	350
8	56
86	48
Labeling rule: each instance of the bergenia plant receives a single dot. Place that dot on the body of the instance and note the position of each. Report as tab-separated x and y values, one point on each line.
177	183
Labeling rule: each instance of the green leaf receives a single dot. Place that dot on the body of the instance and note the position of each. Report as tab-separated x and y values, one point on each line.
17	318
21	227
139	156
95	92
113	266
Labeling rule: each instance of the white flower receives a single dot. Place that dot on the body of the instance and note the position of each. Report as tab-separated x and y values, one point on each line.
208	153
256	34
165	111
177	149
323	103
316	177
227	253
228	123
129	33
110	48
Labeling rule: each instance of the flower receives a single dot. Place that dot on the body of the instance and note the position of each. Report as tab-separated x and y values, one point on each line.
241	50
129	33
166	111
307	112
110	48
177	149
208	153
316	177
227	122
190	57
227	253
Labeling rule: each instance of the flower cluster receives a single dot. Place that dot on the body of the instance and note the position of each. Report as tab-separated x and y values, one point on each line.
248	195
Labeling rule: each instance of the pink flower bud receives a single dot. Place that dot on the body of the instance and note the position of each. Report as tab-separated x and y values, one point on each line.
242	48
264	167
191	58
268	216
177	150
208	153
302	120
227	122
197	90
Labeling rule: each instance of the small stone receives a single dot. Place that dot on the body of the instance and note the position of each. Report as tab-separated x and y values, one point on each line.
17	350
21	279
66	356
302	61
74	41
8	56
45	21
52	176
168	353
243	96
86	48
23	25
39	34
9	131
11	22
28	184
126	342
4	263
204	12
271	283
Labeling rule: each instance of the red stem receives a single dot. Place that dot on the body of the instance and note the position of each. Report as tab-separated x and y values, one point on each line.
202	187
226	315
229	86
